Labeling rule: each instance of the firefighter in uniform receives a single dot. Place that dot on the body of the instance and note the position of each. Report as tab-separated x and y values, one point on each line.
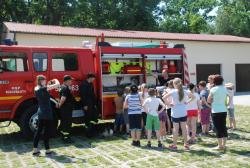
66	108
88	100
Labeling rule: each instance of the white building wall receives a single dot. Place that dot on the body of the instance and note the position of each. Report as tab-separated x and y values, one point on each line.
199	52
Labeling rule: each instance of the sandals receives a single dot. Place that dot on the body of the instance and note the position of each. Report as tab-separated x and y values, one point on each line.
186	148
191	141
172	147
219	148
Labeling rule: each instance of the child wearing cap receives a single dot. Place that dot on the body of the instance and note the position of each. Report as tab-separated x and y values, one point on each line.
230	107
151	105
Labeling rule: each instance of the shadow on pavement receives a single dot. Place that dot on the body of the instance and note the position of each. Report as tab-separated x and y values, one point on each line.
15	142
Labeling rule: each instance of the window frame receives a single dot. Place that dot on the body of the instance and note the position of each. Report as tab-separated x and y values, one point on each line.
63	53
47	65
17	55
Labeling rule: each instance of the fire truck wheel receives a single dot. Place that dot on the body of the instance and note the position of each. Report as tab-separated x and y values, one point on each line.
29	121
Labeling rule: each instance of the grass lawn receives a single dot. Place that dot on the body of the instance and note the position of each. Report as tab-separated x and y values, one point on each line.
117	152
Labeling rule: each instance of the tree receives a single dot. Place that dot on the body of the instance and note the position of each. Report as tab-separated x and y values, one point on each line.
138	14
51	12
187	16
117	14
12	10
234	18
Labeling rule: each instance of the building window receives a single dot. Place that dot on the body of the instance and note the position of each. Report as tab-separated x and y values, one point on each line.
40	62
64	62
13	62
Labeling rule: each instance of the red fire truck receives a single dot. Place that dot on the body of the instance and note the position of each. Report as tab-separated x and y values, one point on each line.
115	66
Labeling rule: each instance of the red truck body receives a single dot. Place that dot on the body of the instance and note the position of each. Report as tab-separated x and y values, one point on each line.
21	64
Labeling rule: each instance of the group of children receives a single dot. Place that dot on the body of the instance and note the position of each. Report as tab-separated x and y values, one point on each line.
166	111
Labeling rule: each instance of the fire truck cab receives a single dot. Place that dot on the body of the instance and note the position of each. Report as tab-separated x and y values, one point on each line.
116	66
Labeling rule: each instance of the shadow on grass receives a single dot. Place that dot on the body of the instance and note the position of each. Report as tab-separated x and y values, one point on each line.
242	130
241	152
203	153
236	136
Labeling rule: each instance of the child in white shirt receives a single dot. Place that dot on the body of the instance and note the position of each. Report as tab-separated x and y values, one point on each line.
192	113
151	106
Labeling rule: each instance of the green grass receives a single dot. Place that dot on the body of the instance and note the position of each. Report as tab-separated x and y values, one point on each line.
117	152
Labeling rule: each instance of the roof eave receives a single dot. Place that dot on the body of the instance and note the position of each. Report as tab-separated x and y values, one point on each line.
151	38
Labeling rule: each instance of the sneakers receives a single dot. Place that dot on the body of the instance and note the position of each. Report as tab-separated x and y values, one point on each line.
136	143
149	145
160	145
133	143
49	153
163	138
37	153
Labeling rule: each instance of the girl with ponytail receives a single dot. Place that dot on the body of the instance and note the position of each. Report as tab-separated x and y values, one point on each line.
178	111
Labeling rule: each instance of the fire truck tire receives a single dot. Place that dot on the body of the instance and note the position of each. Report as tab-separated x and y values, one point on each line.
29	121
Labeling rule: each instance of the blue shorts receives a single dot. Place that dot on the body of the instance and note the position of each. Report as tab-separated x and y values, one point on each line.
119	119
178	120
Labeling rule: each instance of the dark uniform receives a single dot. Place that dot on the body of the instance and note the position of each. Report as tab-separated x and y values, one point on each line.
88	99
66	111
162	80
45	116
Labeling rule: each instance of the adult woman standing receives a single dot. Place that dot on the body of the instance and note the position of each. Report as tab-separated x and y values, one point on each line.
217	98
45	113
